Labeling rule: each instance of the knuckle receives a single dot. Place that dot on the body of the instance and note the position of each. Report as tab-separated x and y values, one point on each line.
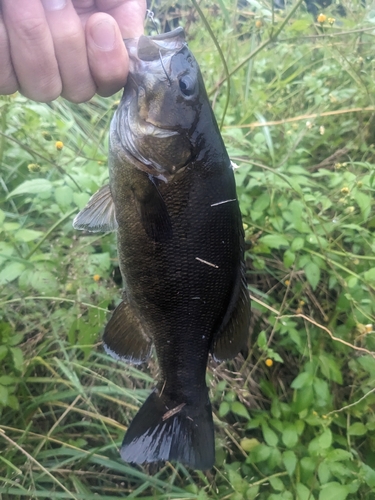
48	89
8	87
79	96
32	29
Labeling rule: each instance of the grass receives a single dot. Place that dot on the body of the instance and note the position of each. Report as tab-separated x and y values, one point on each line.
296	419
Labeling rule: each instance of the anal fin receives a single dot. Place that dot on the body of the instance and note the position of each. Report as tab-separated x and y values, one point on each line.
124	337
99	213
233	336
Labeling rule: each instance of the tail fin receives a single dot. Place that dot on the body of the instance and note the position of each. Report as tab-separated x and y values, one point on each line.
163	430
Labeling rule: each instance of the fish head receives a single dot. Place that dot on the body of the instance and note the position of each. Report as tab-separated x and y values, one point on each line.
161	103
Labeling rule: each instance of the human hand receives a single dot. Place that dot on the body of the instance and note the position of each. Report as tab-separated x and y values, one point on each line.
72	48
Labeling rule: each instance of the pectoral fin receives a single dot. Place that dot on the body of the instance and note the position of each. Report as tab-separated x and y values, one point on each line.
153	210
99	213
124	337
233	336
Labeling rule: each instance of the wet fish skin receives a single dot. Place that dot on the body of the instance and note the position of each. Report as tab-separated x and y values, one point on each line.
180	246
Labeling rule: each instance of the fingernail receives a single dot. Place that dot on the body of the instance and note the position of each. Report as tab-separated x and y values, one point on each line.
104	36
54	4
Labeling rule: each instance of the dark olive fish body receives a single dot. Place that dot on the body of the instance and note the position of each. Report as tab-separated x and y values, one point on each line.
180	244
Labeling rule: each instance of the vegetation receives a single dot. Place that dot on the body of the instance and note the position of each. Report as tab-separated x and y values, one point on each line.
294	421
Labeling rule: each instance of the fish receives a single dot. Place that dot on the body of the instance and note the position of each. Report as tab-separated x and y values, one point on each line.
172	200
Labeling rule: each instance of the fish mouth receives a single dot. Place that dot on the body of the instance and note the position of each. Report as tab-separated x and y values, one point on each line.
153	48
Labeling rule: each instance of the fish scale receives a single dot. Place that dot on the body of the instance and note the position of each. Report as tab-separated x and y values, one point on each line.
172	200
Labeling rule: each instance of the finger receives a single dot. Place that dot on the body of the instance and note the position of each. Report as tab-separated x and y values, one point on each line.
70	50
8	80
108	58
31	49
129	15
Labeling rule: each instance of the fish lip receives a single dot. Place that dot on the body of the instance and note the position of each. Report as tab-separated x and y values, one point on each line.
151	48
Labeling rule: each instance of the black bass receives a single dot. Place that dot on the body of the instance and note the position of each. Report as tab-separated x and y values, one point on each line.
172	199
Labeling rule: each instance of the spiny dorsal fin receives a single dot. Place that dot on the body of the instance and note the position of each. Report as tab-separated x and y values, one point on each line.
124	337
99	213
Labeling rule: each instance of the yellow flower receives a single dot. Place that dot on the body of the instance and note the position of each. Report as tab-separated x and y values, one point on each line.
331	20
33	167
46	135
59	145
345	190
287	282
96	277
258	24
269	362
368	328
321	18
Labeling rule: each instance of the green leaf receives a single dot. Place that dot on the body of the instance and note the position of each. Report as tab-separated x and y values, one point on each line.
276	483
364	203
303	493
269	435
34	186
324	473
274	240
325	439
262	340
240	410
369	275
297	244
300	25
3	351
3	395
259	454
304	379
261	202
252	493
26	235
357	429
312	272
333	491
44	282
248	444
15	338
7	380
64	196
236	481
11	272
290	435
224	409
369	475
17	357
290	461
337	455
81	199
289	258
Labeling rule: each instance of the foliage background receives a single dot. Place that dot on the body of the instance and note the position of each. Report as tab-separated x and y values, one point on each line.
296	419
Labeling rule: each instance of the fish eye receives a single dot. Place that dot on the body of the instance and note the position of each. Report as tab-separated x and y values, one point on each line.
187	86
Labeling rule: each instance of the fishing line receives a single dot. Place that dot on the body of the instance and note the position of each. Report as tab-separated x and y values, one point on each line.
151	16
165	71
